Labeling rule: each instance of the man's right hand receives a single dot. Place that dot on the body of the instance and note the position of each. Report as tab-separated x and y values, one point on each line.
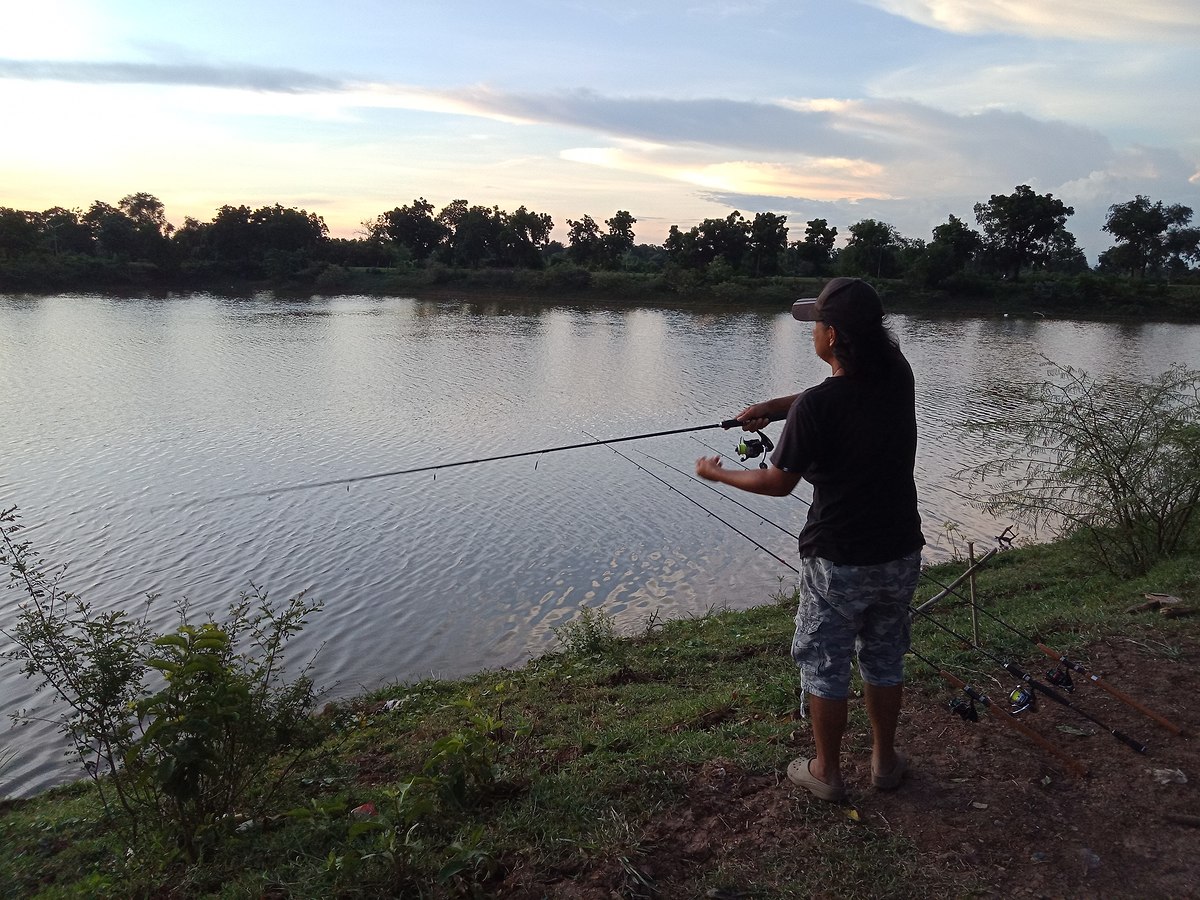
755	417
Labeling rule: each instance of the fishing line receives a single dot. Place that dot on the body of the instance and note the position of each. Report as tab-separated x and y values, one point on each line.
354	479
698	504
716	490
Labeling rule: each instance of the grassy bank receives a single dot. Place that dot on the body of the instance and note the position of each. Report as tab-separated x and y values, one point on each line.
634	766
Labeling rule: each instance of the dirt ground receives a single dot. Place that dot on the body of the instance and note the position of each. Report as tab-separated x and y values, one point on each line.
982	802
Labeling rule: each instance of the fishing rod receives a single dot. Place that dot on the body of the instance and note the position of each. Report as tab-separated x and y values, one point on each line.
1016	671
1061	676
331	482
966	711
697	503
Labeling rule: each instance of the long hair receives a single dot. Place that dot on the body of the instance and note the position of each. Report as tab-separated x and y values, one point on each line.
864	350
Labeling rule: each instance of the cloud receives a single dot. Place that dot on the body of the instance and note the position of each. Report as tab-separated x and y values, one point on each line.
1172	21
905	161
250	78
1133	92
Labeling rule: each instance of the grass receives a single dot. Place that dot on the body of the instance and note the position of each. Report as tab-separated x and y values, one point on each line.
574	766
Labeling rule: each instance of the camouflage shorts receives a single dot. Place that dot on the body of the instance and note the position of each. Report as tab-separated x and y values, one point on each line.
848	609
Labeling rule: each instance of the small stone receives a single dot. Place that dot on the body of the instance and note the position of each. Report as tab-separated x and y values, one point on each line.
978	805
1039	857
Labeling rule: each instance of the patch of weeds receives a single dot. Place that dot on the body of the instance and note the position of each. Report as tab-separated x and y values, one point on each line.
593	632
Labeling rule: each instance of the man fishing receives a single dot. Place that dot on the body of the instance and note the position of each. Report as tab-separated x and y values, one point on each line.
854	438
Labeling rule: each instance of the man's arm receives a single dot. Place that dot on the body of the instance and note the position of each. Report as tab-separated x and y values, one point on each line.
770	481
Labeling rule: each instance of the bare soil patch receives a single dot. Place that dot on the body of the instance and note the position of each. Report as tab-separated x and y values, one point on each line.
985	807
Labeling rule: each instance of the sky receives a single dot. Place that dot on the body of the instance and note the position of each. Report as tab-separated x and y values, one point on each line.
906	111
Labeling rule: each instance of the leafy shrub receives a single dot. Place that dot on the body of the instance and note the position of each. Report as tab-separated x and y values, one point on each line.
593	631
1114	459
177	730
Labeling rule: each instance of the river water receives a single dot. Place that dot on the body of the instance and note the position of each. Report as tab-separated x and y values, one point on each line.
129	428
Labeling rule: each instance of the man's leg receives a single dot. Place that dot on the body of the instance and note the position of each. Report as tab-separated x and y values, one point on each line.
828	725
883	708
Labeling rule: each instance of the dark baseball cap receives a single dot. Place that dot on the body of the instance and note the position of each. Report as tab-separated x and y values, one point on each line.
841	300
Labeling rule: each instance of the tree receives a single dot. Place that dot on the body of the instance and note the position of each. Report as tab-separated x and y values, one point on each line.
619	239
232	241
1062	255
815	253
288	229
872	250
768	243
523	237
1020	228
18	232
115	233
1183	247
476	236
727	240
589	246
413	227
954	246
1145	233
585	244
147	212
65	231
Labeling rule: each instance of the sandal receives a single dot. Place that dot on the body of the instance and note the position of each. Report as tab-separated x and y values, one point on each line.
892	779
799	774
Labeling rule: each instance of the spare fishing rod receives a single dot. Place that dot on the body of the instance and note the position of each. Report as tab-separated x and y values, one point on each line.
1016	671
696	503
1061	676
331	482
966	711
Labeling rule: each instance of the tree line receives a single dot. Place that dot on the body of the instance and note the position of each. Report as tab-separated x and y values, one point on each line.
1018	233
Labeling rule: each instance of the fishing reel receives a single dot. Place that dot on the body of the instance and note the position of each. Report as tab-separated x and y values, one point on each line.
1022	700
1060	676
752	448
964	708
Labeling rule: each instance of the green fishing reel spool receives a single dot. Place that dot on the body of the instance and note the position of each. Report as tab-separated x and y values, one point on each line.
752	448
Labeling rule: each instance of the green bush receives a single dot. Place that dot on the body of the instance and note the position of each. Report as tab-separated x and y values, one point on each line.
178	730
1114	459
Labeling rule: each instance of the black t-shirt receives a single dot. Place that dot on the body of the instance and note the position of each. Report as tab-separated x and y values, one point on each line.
855	441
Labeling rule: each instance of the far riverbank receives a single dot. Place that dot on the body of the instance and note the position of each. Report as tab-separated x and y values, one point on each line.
1087	296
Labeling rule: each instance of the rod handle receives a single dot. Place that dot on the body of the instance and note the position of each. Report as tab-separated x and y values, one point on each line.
952	680
1129	701
1128	741
736	423
1118	694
